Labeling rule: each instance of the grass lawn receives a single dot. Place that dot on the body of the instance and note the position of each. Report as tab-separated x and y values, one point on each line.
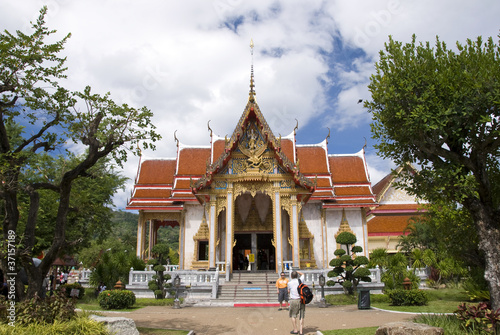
89	303
440	301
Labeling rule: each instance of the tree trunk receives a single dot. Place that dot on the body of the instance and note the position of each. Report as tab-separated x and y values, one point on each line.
35	282
490	245
489	237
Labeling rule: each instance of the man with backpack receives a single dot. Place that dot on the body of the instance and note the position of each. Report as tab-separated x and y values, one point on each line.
297	308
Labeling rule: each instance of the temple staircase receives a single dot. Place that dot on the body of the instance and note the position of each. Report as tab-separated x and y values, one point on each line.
250	287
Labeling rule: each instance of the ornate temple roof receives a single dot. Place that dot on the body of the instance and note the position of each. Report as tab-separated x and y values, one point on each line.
336	180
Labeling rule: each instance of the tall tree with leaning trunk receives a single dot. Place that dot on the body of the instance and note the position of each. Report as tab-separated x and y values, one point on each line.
439	108
39	117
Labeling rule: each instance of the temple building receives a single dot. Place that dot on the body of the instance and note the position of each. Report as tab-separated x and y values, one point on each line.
253	201
395	210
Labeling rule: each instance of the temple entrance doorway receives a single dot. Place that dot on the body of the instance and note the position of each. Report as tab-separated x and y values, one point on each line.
242	251
266	255
254	252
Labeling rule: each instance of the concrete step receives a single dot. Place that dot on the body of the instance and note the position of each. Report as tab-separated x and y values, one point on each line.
259	287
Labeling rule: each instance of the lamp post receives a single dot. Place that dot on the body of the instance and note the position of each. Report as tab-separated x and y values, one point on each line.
177	283
322	302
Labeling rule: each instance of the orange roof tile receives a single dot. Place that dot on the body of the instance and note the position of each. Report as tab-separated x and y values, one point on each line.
156	171
382	184
388	224
347	169
396	207
312	160
287	149
354	190
141	193
182	184
322	182
193	161
218	149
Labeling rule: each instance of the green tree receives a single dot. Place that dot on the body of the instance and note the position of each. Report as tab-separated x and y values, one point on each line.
348	269
31	97
90	213
440	109
113	265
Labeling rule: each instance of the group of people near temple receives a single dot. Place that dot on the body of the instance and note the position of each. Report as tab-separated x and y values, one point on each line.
289	299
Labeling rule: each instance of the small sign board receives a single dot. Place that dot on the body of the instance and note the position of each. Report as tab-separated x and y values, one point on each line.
74	293
251	258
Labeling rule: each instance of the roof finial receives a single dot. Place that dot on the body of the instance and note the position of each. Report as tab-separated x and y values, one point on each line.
252	92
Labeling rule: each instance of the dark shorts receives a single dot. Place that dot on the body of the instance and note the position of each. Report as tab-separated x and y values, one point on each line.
283	294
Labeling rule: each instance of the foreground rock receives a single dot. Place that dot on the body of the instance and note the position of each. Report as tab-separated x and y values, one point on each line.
408	328
118	325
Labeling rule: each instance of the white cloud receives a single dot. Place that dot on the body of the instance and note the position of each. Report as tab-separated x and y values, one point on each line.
189	62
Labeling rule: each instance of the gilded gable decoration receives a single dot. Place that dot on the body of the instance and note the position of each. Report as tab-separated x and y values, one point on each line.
344	225
253	146
221	204
203	231
201	242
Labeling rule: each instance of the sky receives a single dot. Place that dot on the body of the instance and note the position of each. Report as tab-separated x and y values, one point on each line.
189	61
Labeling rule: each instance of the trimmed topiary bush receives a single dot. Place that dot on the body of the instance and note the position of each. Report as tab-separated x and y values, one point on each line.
159	283
116	299
348	269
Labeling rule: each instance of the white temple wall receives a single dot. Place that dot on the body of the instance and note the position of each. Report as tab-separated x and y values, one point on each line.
312	215
193	218
333	220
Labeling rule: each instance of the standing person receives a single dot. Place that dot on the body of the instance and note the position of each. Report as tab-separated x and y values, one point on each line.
296	309
282	290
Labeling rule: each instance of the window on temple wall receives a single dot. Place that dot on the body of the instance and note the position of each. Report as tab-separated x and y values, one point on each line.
304	248
203	250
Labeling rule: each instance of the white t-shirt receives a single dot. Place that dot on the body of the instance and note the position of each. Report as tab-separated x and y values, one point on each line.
292	288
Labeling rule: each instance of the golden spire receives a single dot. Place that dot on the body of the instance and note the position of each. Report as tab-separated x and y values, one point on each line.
252	91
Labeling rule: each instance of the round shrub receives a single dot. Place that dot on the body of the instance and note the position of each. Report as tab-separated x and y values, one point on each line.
362	272
413	297
356	249
346	238
339	252
360	260
336	262
116	299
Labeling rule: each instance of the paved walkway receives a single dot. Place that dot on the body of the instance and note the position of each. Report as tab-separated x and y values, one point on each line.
257	320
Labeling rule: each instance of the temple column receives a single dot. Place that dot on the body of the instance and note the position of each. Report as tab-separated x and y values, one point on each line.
229	230
141	238
182	236
324	234
151	236
212	233
295	231
278	238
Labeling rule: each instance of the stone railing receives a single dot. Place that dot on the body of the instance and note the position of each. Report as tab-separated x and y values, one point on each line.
137	277
221	267
85	277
